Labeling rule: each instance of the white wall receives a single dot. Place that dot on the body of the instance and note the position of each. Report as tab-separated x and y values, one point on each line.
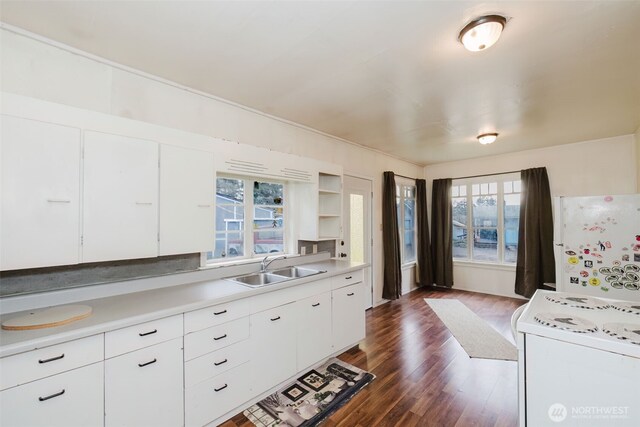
605	166
38	68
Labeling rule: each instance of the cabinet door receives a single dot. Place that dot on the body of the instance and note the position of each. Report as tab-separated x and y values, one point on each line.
273	341
74	398
314	329
187	193
145	387
40	194
120	198
348	316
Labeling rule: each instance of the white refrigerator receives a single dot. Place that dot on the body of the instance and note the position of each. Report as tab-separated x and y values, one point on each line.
597	245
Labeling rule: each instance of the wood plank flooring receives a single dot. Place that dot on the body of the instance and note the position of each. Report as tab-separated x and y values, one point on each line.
424	377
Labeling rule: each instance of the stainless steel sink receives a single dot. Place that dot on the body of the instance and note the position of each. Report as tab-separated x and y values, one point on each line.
259	279
296	272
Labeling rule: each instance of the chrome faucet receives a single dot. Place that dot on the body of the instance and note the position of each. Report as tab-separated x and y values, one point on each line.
264	264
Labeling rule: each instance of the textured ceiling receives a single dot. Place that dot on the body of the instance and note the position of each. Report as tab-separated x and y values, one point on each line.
386	74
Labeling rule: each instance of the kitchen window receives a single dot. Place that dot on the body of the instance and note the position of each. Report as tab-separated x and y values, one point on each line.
250	219
486	214
406	206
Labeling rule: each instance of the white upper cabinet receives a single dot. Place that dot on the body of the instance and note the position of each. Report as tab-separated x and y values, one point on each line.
187	196
120	197
40	194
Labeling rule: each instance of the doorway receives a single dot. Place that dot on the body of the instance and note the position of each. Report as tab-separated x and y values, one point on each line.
356	240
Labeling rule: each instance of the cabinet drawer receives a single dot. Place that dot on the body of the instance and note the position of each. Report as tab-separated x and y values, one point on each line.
73	398
212	364
145	387
346	279
143	335
44	362
211	339
216	315
215	397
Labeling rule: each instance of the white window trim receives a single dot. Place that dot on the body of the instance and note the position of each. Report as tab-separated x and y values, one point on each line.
500	179
409	183
248	204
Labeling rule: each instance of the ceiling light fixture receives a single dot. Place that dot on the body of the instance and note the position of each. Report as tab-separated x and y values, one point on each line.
487	138
482	33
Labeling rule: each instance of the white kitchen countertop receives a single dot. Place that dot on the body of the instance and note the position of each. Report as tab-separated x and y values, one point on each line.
124	310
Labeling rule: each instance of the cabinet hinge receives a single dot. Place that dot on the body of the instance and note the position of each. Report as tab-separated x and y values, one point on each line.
81	240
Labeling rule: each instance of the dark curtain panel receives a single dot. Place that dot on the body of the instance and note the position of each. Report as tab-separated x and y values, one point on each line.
390	239
441	233
535	265
425	268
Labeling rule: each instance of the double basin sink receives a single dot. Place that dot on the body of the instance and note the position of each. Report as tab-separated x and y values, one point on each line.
265	278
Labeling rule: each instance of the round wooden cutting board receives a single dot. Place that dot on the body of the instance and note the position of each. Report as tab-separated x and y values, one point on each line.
47	318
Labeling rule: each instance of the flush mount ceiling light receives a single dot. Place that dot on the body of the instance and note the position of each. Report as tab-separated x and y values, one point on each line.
482	32
487	138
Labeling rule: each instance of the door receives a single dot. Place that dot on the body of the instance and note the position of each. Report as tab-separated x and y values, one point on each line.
356	228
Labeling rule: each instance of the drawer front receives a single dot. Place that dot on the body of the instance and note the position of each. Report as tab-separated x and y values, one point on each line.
212	364
145	387
216	315
214	338
44	362
346	279
143	335
215	397
73	398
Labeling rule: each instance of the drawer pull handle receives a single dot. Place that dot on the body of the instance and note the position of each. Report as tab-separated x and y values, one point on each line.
315	305
220	363
52	359
144	203
218	313
221	388
219	338
58	201
275	318
348	277
51	396
351	294
142	365
204	206
144	334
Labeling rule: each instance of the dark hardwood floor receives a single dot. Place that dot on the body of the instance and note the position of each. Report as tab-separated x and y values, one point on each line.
424	377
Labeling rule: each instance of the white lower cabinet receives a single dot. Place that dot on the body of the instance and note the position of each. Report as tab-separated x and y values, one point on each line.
212	398
145	387
273	339
73	398
348	316
314	329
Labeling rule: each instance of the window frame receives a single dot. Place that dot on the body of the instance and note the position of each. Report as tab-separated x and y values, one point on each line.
401	184
500	179
248	221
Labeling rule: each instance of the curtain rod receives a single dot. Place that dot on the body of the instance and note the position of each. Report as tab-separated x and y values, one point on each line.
487	174
402	176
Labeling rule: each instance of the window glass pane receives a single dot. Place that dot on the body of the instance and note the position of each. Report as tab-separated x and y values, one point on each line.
268	193
268	241
267	217
493	187
517	186
511	210
399	213
356	228
485	244
508	186
484	188
409	247
463	190
459	240
409	214
230	190
229	245
454	191
459	205
485	211
410	192
510	245
475	189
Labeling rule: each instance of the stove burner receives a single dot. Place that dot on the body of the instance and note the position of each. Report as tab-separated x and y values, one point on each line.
629	332
627	307
578	301
566	322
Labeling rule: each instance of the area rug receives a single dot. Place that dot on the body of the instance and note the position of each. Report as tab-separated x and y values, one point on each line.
475	335
312	397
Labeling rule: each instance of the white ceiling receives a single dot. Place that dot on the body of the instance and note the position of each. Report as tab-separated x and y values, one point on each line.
387	74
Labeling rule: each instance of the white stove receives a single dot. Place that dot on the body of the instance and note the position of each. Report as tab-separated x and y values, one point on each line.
579	361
